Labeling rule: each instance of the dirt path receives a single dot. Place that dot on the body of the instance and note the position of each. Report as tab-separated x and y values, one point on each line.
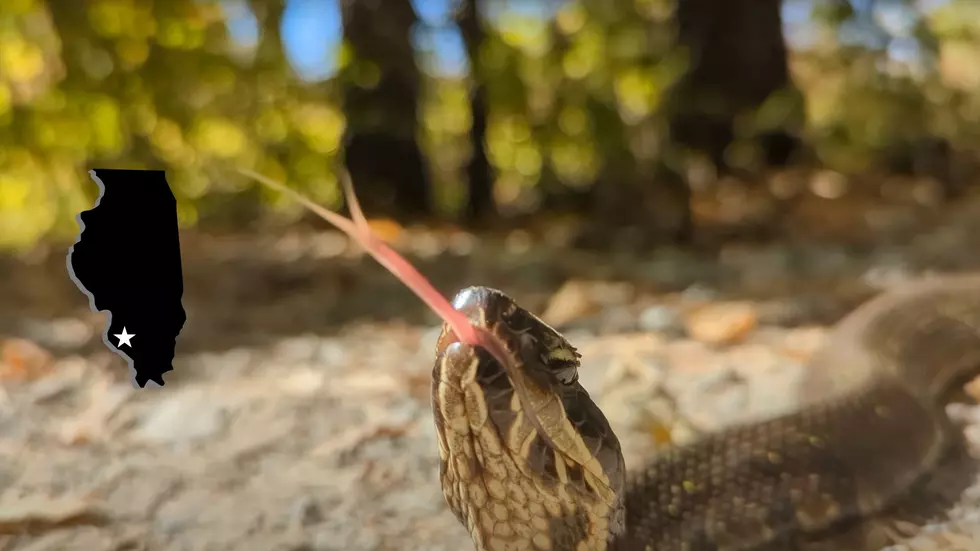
298	417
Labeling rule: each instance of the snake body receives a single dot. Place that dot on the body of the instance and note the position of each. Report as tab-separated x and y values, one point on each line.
529	462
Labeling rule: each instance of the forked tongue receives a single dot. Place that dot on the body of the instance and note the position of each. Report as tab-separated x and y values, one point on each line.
358	229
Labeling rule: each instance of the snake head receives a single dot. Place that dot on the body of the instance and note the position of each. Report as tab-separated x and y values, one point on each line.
527	457
547	355
527	460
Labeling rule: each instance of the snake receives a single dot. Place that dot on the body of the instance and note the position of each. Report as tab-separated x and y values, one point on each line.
528	461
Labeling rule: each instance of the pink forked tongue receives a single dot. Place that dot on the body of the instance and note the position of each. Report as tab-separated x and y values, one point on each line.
357	228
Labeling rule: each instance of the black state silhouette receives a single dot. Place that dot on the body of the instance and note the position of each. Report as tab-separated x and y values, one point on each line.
127	260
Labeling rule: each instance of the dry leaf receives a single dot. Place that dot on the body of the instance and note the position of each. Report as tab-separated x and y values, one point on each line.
721	323
972	388
39	513
388	230
23	360
572	301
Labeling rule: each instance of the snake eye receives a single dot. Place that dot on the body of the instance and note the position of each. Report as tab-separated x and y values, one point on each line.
562	363
566	375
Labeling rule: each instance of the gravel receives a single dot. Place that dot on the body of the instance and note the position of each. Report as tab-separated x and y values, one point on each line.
298	417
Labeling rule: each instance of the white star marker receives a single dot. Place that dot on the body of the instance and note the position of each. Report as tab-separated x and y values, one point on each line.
124	337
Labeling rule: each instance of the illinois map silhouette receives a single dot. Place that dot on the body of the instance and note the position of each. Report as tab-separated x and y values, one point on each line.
127	261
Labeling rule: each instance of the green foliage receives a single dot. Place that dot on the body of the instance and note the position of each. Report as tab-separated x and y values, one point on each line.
860	100
157	83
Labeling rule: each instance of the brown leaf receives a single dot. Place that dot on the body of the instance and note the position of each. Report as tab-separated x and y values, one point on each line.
39	513
23	360
572	301
661	433
388	230
972	389
722	323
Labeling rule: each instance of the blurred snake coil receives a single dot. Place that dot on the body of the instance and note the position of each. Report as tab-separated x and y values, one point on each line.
529	462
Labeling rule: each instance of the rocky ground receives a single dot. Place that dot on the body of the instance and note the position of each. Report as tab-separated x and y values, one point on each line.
298	415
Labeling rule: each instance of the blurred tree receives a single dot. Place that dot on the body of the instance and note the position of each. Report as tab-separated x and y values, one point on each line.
736	63
567	109
618	64
268	71
381	90
480	201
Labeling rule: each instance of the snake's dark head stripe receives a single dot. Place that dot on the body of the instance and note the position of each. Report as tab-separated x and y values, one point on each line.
528	460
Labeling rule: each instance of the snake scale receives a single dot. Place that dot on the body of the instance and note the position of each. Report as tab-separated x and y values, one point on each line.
529	462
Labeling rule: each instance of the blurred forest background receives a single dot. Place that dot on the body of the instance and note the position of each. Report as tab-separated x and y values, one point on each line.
654	114
690	190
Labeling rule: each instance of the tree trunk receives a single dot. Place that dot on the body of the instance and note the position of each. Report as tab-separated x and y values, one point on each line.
737	58
380	101
480	203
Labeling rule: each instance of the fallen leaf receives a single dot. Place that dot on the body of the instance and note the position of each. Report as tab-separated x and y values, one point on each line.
388	230
572	301
39	513
972	388
23	360
721	323
660	433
